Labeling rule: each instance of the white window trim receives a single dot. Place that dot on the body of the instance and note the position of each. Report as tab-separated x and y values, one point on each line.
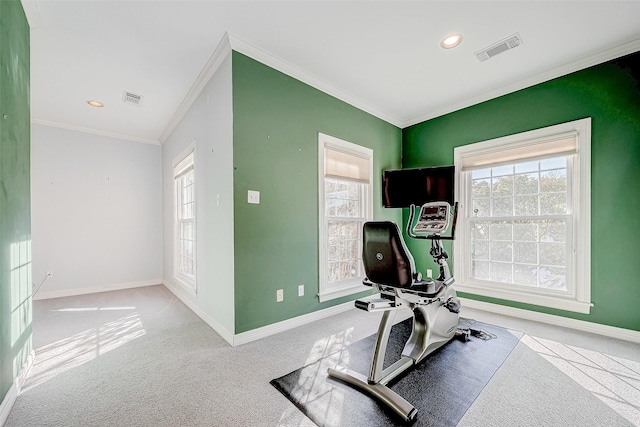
579	297
326	291
185	282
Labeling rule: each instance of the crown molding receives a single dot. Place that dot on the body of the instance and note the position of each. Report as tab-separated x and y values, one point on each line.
215	61
37	121
32	12
580	64
297	73
230	43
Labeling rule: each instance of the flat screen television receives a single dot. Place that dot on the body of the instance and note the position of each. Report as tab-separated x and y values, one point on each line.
403	187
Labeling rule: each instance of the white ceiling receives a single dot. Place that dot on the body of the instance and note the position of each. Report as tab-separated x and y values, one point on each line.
383	56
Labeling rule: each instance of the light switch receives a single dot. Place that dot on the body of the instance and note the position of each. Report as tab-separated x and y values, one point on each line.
253	197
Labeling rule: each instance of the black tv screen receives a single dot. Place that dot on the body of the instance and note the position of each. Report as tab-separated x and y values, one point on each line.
403	187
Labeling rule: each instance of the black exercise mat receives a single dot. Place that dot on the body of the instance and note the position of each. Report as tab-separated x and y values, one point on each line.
442	387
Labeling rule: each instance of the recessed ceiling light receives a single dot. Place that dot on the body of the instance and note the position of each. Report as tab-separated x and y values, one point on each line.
95	104
452	40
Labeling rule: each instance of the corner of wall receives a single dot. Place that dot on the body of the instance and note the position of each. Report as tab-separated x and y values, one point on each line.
15	201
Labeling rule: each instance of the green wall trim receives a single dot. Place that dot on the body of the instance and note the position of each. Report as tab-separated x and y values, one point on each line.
15	194
609	93
276	120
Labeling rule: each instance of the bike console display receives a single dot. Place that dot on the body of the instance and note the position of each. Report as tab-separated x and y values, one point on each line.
433	218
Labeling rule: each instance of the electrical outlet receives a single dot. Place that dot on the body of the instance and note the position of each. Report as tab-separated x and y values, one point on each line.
429	273
279	295
300	290
253	197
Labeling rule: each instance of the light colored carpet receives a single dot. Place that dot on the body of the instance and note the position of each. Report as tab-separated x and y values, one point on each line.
140	357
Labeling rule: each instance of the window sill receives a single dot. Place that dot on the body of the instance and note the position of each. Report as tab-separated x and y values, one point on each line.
343	291
560	302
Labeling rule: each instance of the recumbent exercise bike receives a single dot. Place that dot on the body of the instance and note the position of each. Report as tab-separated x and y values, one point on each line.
389	267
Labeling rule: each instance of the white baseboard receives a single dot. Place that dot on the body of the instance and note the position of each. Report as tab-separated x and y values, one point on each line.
265	331
216	326
580	325
95	289
258	333
7	403
13	392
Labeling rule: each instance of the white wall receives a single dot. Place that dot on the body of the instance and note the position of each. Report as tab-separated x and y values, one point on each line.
208	122
96	212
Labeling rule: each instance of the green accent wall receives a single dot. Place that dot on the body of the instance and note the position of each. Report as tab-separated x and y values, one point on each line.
15	198
608	93
276	120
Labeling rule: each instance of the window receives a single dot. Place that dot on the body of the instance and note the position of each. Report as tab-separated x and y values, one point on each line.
185	221
345	204
525	217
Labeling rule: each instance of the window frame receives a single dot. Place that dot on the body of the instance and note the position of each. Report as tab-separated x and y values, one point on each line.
186	281
529	145
328	291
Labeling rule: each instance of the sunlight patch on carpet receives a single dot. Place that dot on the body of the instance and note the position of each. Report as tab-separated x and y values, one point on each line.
70	352
613	380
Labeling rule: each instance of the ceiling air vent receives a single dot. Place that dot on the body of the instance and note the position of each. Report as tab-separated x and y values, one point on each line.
503	45
131	98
